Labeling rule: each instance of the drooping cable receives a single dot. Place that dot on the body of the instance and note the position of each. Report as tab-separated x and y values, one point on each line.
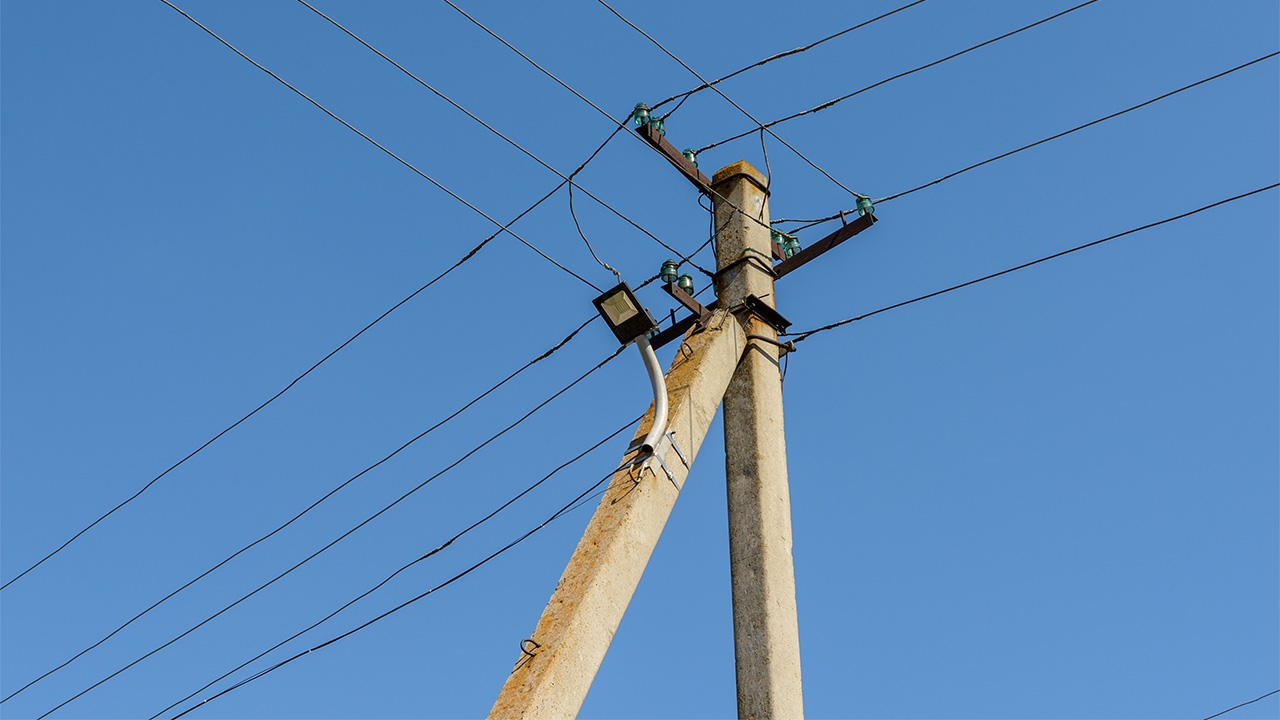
842	98
564	510
808	333
380	146
403	568
344	535
717	90
314	504
587	242
1028	146
804	48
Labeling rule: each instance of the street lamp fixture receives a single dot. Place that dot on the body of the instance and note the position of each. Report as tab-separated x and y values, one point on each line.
623	313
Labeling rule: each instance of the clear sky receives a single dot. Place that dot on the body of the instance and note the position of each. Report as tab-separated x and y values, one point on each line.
1050	495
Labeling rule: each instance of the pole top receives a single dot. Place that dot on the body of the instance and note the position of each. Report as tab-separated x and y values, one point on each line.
740	169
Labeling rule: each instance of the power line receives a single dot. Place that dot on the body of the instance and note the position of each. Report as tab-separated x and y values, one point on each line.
309	370
1001	156
403	568
686	94
551	351
842	98
583	98
383	148
567	508
587	242
803	335
513	143
1224	712
344	535
764	128
531	61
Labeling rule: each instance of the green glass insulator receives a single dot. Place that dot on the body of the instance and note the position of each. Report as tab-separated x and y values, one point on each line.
865	207
790	245
640	115
657	124
685	283
669	269
691	156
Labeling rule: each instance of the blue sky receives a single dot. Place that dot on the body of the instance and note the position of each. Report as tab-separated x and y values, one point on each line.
1049	495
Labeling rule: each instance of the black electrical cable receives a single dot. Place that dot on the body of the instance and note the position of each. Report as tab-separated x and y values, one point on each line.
1028	146
344	535
490	128
378	145
580	96
551	351
569	507
763	127
375	143
583	235
803	335
842	98
1237	707
309	370
685	95
402	568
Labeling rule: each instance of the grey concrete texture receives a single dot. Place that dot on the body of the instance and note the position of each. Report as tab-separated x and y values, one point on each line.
588	603
765	624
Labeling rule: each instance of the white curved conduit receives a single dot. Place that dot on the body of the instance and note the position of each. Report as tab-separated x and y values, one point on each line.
659	382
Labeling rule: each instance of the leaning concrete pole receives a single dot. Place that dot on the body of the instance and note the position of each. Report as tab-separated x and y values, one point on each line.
556	668
765	630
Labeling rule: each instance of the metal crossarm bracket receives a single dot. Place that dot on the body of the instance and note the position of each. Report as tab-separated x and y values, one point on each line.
678	330
825	244
703	314
664	146
761	309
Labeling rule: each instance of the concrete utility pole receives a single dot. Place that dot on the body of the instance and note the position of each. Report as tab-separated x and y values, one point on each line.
719	361
766	635
553	675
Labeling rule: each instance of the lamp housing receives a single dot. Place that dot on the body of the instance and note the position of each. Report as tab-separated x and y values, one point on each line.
623	313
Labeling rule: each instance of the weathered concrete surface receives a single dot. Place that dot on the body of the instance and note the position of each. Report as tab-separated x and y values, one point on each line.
765	628
588	603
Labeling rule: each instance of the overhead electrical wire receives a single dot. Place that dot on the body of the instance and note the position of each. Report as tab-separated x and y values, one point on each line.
580	96
548	353
513	143
717	90
403	568
926	66
797	337
778	56
470	254
1028	146
564	510
344	535
380	146
1237	707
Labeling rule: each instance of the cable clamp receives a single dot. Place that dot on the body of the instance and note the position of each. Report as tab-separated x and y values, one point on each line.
671	436
666	470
